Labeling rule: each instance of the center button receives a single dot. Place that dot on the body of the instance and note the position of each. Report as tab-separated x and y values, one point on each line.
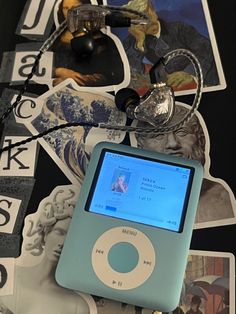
123	257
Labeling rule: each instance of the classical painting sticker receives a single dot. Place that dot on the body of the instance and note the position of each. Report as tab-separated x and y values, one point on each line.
209	284
184	24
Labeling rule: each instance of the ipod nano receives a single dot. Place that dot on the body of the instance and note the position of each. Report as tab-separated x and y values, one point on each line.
131	229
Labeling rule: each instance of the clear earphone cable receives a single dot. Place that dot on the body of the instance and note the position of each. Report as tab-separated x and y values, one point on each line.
152	130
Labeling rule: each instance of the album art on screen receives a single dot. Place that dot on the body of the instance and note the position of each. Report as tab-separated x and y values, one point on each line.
120	181
173	24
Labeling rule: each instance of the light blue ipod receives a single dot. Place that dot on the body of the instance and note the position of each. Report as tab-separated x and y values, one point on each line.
131	229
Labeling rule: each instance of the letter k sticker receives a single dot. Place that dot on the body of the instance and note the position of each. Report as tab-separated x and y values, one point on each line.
19	161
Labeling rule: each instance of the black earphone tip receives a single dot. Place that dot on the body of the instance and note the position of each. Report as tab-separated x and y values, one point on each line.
83	45
124	96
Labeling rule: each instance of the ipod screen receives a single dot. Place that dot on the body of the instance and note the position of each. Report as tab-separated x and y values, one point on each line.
141	190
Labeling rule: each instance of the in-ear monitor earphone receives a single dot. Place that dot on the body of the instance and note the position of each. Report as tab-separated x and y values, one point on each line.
85	19
158	104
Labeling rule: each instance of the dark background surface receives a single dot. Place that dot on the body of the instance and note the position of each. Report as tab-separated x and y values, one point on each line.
217	109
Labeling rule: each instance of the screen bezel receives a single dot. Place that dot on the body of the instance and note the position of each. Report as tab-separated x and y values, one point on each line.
96	175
